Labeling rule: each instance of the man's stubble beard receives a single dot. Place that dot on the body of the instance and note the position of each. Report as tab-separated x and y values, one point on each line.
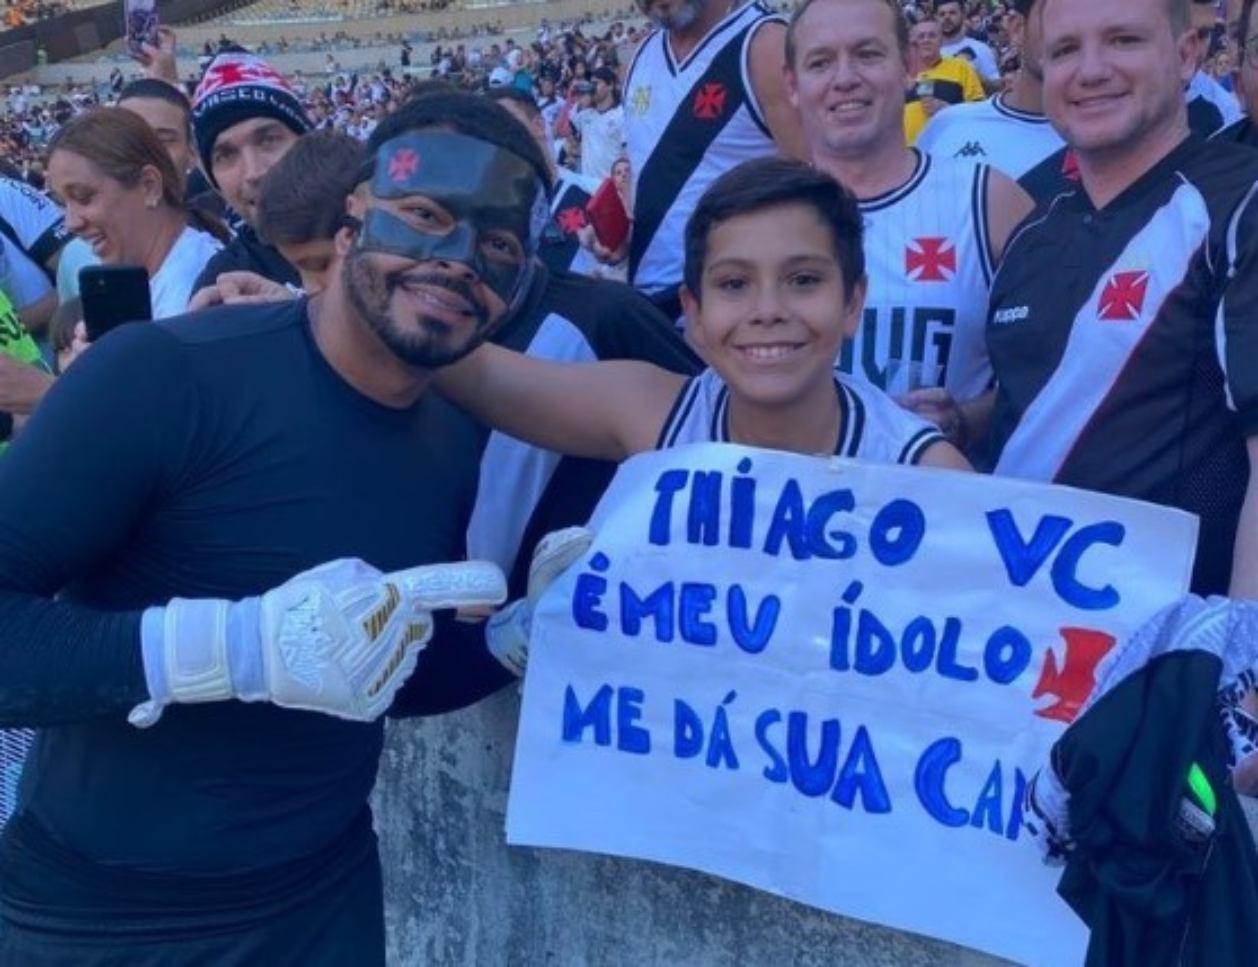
369	291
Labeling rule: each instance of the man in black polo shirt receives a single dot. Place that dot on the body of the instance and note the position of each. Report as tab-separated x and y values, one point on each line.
1123	325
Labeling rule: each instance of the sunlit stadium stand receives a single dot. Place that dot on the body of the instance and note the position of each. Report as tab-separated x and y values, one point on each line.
360	42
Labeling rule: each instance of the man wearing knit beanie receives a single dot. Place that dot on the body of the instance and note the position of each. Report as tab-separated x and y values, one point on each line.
245	116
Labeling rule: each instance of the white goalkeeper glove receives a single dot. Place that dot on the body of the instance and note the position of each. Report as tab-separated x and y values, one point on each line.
339	639
507	632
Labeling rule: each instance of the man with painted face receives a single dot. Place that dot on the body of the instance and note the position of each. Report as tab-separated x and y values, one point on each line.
233	828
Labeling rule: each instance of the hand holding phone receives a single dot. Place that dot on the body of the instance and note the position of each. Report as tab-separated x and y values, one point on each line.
141	25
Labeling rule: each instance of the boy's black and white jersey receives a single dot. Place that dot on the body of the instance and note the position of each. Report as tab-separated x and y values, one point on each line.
873	427
687	123
1125	343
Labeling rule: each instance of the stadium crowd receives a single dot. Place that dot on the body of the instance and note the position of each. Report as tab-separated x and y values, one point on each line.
1018	238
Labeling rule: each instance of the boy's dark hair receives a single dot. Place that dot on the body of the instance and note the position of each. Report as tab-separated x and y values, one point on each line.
764	183
303	195
471	114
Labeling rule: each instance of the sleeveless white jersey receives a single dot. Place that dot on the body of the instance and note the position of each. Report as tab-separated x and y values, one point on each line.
929	266
875	428
687	123
993	133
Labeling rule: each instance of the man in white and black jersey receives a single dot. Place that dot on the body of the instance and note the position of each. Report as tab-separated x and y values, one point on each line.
1122	324
1008	131
957	43
703	92
933	226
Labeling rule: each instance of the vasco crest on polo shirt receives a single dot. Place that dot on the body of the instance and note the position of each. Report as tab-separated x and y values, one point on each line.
1122	299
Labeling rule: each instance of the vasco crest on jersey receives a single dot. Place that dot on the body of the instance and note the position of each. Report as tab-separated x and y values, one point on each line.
709	101
1122	298
930	260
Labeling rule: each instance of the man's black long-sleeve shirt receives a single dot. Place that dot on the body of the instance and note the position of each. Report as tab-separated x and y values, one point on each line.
209	456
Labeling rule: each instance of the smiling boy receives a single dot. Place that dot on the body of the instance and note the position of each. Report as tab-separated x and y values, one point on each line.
774	284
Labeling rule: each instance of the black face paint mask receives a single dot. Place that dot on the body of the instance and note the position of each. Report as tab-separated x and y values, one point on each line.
487	191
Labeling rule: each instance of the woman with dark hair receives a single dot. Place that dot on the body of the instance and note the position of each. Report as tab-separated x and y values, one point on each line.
124	196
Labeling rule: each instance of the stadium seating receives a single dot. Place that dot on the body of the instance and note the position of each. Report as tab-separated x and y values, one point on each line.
268	20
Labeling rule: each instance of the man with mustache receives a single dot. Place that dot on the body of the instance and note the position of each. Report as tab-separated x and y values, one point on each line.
181	804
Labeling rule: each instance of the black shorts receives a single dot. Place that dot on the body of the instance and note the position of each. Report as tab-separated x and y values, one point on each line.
342	923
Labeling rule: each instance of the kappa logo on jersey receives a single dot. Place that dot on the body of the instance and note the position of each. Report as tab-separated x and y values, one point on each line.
228	73
930	260
403	165
571	220
1122	299
971	149
1010	315
709	103
1072	683
640	102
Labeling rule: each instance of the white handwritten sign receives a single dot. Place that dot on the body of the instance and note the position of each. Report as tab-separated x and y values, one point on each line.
832	680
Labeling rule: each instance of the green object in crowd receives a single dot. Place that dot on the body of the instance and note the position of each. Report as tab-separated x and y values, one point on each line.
1201	789
15	341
